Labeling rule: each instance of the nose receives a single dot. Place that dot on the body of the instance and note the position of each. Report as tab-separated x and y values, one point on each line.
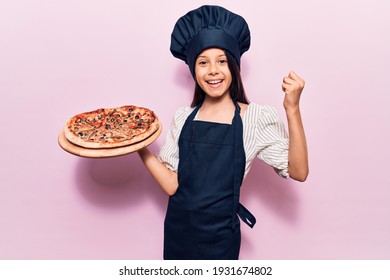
213	69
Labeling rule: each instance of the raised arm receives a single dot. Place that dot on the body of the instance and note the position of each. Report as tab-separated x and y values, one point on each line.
298	166
165	177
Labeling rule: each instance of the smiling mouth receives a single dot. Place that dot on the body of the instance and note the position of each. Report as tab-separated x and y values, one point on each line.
214	82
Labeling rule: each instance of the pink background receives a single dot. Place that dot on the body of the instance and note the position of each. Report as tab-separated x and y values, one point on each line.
59	58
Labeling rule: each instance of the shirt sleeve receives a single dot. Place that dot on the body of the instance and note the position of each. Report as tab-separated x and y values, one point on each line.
168	154
272	141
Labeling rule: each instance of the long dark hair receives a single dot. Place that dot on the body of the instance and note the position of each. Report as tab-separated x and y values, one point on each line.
236	89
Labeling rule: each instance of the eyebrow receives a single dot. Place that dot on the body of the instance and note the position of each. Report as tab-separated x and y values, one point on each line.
204	56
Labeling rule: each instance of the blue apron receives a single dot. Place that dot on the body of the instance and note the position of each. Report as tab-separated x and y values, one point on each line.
202	216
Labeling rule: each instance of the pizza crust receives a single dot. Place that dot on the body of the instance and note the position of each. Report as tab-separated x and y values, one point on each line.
111	127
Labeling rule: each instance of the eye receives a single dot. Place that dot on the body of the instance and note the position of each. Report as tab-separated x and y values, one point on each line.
202	62
222	61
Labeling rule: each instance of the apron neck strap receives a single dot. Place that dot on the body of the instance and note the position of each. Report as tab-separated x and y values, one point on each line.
236	112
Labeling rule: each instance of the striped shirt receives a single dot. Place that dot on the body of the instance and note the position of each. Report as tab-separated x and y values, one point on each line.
264	137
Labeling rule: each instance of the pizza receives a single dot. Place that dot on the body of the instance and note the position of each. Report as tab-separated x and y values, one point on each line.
111	127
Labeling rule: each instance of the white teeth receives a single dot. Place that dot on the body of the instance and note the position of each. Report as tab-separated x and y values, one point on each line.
214	82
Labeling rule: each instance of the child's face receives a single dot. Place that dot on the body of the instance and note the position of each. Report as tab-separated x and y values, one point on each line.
212	72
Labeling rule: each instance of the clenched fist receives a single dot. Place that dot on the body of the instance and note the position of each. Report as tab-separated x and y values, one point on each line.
292	86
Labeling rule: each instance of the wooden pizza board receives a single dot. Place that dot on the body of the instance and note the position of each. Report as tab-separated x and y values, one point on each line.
105	152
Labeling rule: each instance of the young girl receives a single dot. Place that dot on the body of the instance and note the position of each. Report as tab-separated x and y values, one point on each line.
211	145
